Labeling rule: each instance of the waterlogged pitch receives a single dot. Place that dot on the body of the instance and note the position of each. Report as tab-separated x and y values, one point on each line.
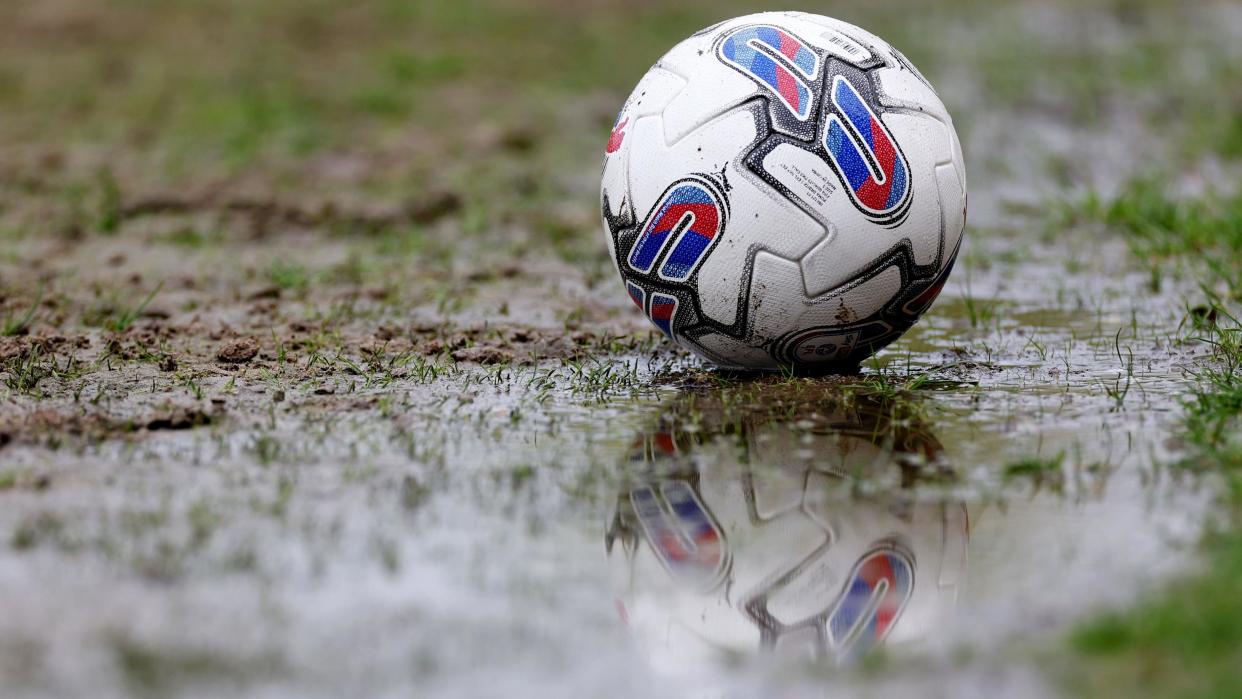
316	380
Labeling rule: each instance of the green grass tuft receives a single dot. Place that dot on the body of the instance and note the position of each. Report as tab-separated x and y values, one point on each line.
287	276
1161	228
122	321
17	326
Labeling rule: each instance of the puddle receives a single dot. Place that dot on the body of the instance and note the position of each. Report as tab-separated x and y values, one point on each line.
634	525
701	538
631	526
813	526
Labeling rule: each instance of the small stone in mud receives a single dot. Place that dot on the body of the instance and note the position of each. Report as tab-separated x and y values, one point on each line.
238	351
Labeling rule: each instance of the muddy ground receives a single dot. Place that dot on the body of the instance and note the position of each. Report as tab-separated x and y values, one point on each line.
317	378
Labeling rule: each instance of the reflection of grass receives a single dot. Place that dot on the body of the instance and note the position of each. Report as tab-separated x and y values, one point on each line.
1119	388
888	384
153	670
1035	467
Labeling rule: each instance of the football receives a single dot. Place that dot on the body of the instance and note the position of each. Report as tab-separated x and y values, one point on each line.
783	190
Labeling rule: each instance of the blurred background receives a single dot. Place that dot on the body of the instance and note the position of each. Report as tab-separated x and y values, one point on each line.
506	104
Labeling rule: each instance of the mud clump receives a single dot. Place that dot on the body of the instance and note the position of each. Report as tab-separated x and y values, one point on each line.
23	345
433	207
238	351
178	418
520	345
265	214
483	354
52	424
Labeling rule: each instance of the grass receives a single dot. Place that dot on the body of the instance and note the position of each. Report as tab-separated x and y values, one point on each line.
18	325
1165	231
288	276
122	320
1120	387
24	372
1214	410
1187	640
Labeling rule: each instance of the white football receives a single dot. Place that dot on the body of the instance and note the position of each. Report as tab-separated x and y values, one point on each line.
783	189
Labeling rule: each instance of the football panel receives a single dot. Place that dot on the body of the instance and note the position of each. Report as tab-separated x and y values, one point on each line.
825	330
926	144
900	88
711	87
880	49
952	207
651	95
859	242
708	150
825	36
729	352
762	220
